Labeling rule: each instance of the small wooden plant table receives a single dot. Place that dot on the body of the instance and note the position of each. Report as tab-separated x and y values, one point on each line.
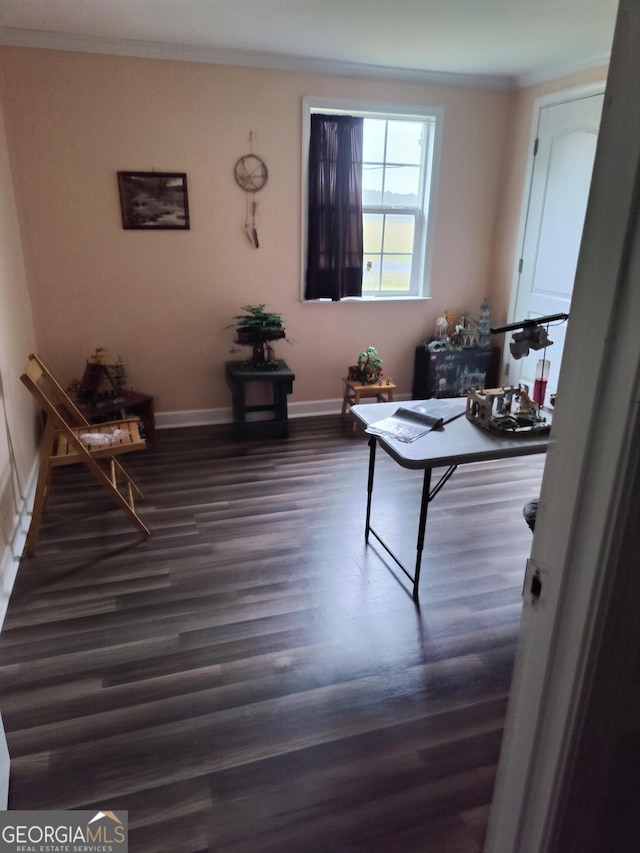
355	391
281	379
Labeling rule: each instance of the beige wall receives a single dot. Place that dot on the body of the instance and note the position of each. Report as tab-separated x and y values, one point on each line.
18	417
161	300
17	413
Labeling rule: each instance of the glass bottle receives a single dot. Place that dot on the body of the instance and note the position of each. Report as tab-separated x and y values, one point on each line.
540	384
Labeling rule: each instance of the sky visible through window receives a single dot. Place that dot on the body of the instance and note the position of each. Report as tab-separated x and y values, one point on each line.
391	198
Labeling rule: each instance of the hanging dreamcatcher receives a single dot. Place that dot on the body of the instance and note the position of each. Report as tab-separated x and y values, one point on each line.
251	175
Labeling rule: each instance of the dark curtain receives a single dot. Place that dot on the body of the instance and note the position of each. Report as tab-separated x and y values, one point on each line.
334	255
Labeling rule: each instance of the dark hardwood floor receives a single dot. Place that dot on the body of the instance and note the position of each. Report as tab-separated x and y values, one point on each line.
253	677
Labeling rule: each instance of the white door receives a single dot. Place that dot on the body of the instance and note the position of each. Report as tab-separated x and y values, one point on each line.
565	147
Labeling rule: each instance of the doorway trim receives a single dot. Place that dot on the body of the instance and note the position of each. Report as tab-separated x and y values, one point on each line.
575	537
573	93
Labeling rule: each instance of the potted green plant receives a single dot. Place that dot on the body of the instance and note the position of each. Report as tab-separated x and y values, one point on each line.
369	367
257	328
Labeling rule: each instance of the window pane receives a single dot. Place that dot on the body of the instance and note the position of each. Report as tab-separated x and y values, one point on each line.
371	273
373	131
372	185
396	272
398	234
372	232
404	142
401	185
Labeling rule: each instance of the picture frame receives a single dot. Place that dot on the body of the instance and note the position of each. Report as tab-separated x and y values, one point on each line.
154	200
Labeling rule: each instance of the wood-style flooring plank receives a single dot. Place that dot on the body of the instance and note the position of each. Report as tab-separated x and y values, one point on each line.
254	678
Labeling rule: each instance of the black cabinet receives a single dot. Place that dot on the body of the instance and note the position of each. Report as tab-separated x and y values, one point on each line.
452	373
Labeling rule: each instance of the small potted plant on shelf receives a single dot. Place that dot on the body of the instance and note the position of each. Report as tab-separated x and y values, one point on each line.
368	370
258	328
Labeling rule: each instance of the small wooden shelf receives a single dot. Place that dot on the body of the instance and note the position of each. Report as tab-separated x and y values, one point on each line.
281	380
354	391
140	405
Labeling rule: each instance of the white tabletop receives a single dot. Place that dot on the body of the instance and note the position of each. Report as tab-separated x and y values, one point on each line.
459	442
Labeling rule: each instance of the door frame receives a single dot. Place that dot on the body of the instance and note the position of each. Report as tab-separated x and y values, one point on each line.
573	93
576	542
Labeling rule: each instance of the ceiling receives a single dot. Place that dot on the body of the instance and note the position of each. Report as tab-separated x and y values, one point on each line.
484	42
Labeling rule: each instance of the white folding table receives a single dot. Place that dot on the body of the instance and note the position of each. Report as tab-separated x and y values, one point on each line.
458	443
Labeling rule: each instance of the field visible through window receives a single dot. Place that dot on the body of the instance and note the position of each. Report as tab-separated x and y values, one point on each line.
388	243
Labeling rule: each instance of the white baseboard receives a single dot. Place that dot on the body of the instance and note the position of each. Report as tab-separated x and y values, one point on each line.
208	417
192	417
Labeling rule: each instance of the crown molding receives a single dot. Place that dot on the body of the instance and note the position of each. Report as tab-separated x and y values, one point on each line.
552	73
253	59
286	62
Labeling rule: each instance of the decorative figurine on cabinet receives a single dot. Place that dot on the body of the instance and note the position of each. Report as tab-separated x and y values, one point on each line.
467	332
484	326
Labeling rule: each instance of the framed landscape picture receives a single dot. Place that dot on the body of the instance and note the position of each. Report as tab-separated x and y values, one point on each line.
155	200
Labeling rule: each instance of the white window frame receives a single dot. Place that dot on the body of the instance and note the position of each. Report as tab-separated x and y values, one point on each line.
425	220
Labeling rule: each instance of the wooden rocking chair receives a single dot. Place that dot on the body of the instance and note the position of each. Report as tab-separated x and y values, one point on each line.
67	441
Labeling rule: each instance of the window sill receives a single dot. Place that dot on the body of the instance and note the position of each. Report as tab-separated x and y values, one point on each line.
367	300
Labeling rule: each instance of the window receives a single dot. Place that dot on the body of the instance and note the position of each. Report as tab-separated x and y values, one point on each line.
400	149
